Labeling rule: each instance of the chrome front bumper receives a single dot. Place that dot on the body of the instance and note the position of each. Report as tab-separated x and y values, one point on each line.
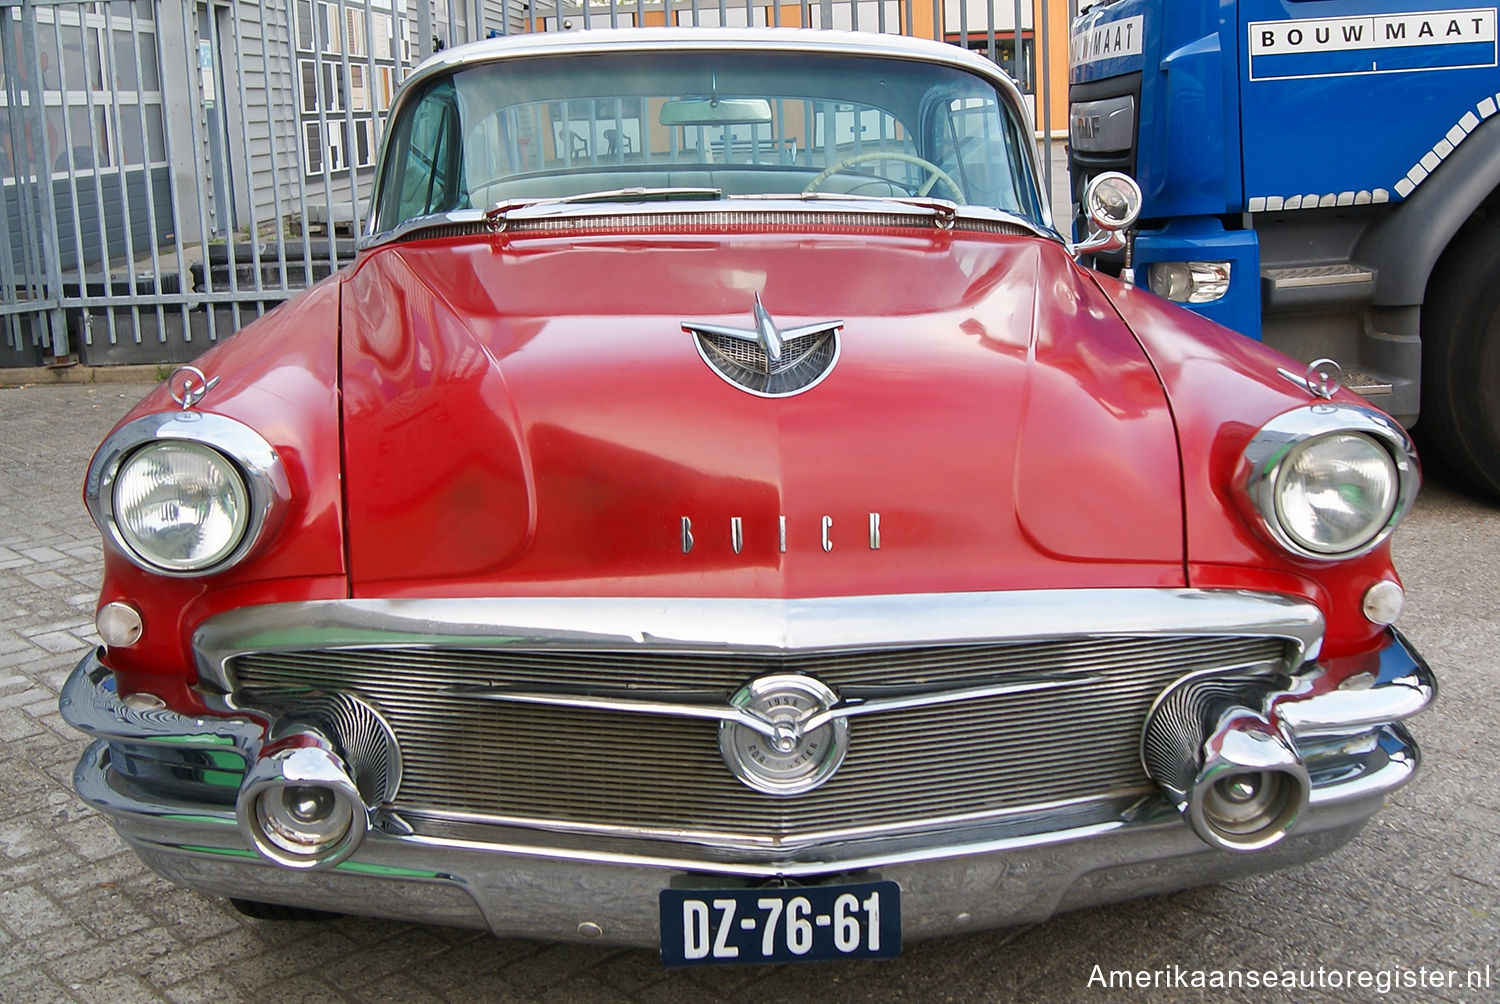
564	886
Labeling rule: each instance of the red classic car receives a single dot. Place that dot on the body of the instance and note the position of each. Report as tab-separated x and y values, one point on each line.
717	512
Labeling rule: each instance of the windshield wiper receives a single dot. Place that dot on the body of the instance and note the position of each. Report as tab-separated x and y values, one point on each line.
641	195
942	208
497	213
944	212
500	209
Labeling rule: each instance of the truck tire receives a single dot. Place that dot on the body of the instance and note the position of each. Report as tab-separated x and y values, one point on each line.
1461	357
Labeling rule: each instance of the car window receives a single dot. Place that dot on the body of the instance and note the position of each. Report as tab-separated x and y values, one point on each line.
551	139
974	143
423	173
741	122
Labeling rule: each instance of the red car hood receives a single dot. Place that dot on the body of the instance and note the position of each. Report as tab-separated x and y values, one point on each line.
527	416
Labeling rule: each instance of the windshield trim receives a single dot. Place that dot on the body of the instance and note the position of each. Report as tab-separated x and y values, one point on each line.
942	214
940	211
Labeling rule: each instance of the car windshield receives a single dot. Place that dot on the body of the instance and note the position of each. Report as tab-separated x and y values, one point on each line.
727	123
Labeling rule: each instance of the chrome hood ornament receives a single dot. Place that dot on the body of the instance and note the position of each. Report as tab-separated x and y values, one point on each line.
765	360
188	386
1321	378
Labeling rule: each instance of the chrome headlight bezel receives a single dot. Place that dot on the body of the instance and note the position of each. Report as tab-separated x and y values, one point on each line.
1269	452
255	463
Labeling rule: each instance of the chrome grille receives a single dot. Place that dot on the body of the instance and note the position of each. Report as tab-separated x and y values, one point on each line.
484	759
752	356
440	232
804	361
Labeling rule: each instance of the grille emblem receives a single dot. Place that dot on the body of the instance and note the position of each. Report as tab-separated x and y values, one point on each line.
795	757
765	360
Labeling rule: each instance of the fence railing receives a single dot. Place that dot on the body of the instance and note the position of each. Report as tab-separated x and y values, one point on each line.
169	170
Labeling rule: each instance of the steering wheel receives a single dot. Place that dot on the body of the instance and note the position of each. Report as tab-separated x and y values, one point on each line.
938	174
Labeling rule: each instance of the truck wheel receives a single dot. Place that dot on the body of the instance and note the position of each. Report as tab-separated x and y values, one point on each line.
1461	357
275	911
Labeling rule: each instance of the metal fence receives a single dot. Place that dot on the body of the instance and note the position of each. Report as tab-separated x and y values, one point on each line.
170	170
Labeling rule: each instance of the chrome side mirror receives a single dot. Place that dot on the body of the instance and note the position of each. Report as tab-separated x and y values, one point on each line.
1111	203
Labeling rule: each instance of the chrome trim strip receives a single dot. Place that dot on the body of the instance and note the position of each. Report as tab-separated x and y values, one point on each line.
257	461
635	705
750	626
818	203
760	210
765	726
713	844
749	209
1395	684
456	217
861	43
806	869
90	704
1402	758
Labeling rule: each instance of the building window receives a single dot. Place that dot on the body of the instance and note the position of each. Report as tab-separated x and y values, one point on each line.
101	92
349	62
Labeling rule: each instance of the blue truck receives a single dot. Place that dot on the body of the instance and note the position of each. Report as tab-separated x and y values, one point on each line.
1320	174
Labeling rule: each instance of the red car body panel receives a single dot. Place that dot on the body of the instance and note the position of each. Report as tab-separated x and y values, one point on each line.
497	447
1208	371
493	447
280	377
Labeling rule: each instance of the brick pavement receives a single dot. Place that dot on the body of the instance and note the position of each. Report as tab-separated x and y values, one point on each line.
82	920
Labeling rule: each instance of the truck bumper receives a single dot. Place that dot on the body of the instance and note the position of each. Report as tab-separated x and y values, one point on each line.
1205	239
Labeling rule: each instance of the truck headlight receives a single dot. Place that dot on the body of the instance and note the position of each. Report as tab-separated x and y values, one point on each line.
181	506
1189	281
1330	481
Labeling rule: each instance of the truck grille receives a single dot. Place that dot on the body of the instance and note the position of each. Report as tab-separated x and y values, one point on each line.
1102	133
485	760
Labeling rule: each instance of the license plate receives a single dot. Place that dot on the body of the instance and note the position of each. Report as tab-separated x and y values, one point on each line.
705	926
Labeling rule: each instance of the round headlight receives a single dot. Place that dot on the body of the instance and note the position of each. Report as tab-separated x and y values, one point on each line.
1336	493
180	505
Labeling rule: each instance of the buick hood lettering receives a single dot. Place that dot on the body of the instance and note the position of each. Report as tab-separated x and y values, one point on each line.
737	533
